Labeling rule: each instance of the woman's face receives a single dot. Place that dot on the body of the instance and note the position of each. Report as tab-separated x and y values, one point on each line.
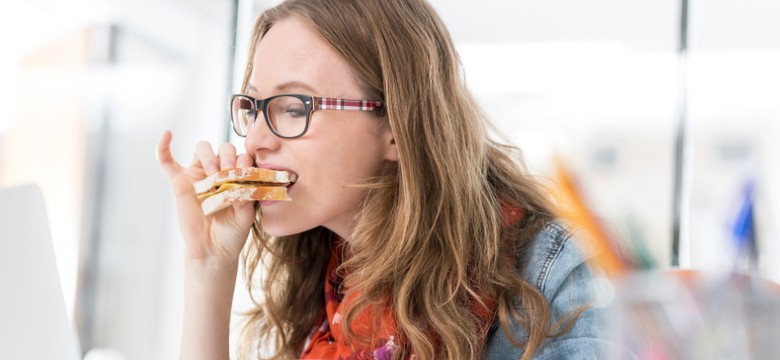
339	149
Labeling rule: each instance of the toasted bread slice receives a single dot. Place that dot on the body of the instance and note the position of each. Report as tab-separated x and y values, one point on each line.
229	194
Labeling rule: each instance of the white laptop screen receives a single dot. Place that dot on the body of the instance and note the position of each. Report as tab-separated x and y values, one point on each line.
33	320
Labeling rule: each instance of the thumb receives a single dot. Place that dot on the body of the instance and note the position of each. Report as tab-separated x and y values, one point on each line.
164	156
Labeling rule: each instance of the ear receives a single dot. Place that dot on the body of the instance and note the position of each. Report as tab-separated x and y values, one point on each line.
391	149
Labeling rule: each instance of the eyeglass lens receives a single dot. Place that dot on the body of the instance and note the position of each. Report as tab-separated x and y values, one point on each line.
243	114
286	115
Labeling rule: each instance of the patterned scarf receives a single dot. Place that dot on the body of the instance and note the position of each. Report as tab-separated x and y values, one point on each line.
327	341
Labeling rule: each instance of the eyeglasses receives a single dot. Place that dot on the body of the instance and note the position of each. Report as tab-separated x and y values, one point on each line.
288	115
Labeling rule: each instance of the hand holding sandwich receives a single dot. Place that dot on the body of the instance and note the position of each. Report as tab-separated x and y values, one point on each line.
219	236
212	242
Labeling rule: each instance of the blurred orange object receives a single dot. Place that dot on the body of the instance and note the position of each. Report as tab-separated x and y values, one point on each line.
573	209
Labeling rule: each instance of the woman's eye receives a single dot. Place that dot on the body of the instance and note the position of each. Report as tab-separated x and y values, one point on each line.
247	113
296	112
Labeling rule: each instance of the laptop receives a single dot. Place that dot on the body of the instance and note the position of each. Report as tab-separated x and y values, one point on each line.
34	323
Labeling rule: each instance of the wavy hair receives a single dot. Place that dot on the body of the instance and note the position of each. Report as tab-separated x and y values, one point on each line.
428	241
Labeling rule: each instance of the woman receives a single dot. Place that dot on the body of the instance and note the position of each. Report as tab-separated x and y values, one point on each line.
410	233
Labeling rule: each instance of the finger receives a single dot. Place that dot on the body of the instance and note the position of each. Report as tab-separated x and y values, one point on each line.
164	156
205	156
245	211
244	160
195	161
227	156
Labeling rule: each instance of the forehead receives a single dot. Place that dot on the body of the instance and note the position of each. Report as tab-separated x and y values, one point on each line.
292	52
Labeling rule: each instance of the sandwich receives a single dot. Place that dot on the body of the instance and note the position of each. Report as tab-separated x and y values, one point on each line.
227	187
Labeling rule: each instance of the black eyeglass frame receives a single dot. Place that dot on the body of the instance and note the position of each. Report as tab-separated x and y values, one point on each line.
311	103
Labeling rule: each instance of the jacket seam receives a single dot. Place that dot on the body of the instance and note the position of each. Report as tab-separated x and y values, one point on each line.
559	238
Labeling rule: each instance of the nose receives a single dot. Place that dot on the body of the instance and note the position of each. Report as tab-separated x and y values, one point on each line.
259	137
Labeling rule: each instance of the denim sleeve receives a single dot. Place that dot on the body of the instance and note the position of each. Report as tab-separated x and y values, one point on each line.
558	268
586	338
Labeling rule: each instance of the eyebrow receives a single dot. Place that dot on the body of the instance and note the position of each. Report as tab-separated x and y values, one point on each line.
288	86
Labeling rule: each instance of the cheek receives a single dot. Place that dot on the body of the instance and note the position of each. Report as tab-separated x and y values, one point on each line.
352	161
342	155
331	172
333	157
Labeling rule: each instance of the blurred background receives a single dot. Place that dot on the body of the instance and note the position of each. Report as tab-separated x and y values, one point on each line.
668	128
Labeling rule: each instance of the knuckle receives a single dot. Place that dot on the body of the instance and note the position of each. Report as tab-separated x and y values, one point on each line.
227	148
202	143
244	160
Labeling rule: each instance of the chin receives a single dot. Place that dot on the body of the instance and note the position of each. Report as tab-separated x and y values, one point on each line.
278	230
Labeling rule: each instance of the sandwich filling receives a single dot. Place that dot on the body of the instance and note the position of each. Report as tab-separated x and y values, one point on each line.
238	185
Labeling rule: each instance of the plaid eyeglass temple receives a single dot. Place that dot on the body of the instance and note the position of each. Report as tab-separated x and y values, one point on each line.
321	103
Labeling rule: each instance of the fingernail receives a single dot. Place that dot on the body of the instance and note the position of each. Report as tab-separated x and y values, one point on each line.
211	168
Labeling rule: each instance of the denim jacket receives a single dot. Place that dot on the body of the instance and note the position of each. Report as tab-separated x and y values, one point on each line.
557	267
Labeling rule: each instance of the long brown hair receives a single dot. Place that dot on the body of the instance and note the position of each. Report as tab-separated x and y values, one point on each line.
429	241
